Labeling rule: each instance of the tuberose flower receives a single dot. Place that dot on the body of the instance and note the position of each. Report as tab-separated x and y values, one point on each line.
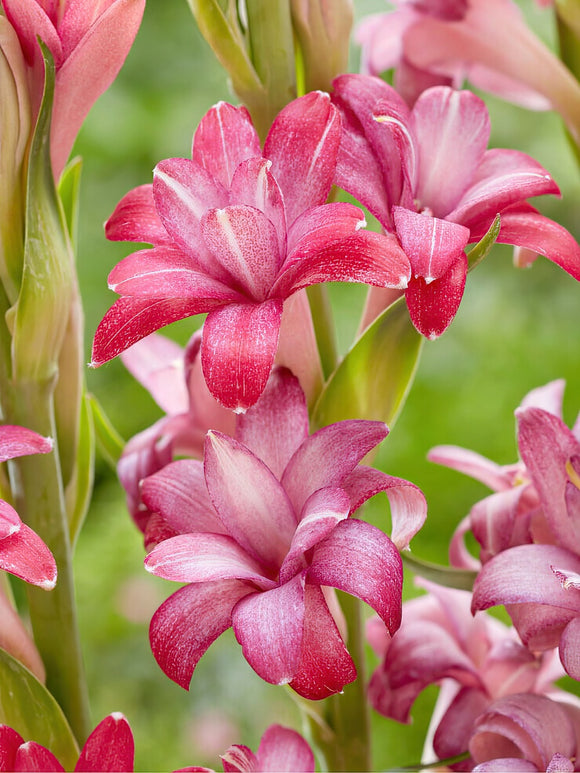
237	231
263	532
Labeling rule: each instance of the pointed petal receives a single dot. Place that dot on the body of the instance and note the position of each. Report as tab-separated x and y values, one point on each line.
570	648
131	319
29	19
325	665
359	559
284	750
504	177
269	626
452	129
407	502
20	441
179	494
471	463
31	757
189	621
548	397
238	349
110	747
432	245
433	306
275	427
135	219
10	740
365	257
224	138
322	511
10	522
319	226
328	456
166	272
250	501
303	145
25	555
245	243
204	558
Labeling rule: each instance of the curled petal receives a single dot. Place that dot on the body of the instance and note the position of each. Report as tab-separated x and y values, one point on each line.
472	464
135	219
570	648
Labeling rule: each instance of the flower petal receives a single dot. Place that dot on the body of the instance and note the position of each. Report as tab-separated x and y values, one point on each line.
238	349
471	463
269	626
203	558
570	648
189	621
135	219
328	456
319	226
284	750
25	555
110	747
275	427
34	758
10	740
224	138
456	727
236	759
433	306
20	441
303	146
359	559
250	501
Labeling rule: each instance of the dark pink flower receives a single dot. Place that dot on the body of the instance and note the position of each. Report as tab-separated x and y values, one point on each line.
281	749
476	660
264	534
427	176
22	552
236	231
109	747
89	41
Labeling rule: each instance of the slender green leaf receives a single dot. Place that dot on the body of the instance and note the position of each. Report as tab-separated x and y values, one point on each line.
480	250
78	492
373	379
109	442
448	576
68	190
28	707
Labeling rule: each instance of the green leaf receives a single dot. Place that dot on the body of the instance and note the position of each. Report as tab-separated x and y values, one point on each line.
109	442
373	379
448	576
28	707
68	191
78	492
480	250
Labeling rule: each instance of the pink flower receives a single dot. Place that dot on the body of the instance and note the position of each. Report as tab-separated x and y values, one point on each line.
22	552
281	749
517	513
236	232
442	42
109	747
89	41
263	534
426	175
476	660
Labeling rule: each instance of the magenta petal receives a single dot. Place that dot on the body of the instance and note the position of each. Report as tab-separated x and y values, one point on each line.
31	757
452	129
25	555
131	319
135	219
250	501
432	245
407	502
472	464
570	648
325	665
328	456
238	759
179	494
365	257
10	740
203	558
110	747
238	349
224	138
322	511
189	621
269	626
507	765
245	243
166	272
275	427
303	145
20	441
319	226
10	522
433	306
283	750
456	727
360	559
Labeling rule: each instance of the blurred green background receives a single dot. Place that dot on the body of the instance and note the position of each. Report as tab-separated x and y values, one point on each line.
515	330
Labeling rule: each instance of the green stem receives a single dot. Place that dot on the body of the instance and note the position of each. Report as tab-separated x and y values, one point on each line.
39	499
321	311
